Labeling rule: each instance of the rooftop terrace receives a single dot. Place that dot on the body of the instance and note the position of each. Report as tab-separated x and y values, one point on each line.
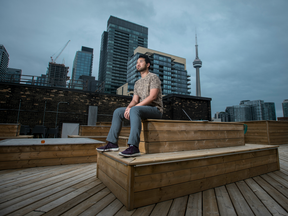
75	190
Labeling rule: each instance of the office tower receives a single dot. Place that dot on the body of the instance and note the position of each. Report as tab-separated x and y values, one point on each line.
117	45
42	80
82	65
57	75
285	108
269	112
13	75
197	63
170	69
251	110
4	61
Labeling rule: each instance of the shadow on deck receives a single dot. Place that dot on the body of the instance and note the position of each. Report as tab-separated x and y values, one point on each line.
74	190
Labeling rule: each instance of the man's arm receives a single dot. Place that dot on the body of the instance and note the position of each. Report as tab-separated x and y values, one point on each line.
148	100
135	100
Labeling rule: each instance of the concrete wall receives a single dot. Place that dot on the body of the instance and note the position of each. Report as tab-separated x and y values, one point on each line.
33	102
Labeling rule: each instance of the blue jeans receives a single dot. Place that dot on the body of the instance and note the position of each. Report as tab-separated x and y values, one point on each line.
136	114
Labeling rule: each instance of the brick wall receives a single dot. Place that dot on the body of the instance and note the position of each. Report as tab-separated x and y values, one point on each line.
33	103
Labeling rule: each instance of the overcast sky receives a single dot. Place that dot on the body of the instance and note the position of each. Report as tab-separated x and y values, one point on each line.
243	44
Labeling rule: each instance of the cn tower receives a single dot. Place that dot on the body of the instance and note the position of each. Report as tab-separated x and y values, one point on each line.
197	63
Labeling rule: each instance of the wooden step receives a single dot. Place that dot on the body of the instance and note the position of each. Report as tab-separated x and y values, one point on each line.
153	178
85	130
160	136
122	140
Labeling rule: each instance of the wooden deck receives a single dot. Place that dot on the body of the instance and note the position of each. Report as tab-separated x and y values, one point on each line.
74	190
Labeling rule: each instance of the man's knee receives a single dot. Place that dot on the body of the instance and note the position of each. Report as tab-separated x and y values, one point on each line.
119	111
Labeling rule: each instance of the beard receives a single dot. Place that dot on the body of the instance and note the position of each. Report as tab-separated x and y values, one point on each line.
141	69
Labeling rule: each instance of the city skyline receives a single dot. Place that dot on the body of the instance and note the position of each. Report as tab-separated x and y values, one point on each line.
244	45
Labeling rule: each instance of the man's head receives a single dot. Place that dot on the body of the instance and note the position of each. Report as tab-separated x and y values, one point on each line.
143	63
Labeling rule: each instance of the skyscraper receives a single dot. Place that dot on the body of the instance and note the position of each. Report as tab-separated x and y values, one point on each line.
285	108
197	63
13	75
4	61
82	64
57	75
170	69
117	45
251	110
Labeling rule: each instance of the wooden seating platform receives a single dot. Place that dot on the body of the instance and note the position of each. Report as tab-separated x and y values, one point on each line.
74	190
159	136
22	153
267	132
153	178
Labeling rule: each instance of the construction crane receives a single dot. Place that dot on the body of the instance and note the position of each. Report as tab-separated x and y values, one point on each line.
54	61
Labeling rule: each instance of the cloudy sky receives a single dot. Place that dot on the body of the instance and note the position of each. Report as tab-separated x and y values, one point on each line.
243	44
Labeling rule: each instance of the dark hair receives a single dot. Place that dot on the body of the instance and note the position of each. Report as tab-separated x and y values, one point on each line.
147	59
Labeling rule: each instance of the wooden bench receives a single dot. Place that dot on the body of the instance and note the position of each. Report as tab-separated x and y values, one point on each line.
22	153
183	157
159	136
11	131
267	132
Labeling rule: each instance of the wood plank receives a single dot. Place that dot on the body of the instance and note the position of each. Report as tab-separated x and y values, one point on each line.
276	195
255	204
209	203
269	202
28	205
279	186
171	146
152	136
46	162
171	125
122	168
76	200
112	208
57	202
46	154
113	173
41	186
239	203
163	179
99	206
224	203
146	210
282	181
178	206
116	189
124	212
194	205
162	208
76	210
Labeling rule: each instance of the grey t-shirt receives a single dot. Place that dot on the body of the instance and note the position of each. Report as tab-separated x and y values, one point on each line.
142	89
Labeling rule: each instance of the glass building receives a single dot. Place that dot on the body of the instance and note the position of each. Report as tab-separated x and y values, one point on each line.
170	69
82	65
13	75
117	45
4	61
285	108
251	111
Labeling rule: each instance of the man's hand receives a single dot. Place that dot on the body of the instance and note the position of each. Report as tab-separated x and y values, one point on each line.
127	113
